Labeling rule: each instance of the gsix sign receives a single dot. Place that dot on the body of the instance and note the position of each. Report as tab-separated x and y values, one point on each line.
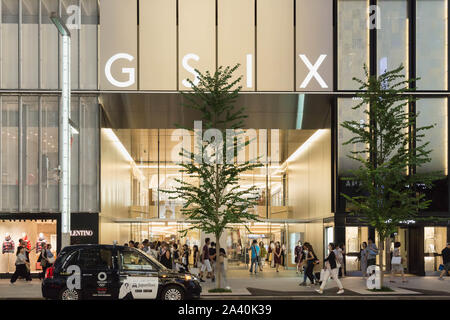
124	61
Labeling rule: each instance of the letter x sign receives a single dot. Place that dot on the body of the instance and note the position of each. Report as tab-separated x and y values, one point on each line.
313	71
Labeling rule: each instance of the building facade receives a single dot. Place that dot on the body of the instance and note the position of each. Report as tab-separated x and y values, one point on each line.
131	59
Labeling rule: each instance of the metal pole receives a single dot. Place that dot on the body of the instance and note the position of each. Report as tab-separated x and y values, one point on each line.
64	132
64	135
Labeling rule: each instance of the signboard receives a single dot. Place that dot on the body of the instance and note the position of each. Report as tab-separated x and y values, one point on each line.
280	47
84	228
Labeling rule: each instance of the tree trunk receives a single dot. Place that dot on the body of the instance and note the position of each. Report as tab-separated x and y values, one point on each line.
388	254
380	252
218	268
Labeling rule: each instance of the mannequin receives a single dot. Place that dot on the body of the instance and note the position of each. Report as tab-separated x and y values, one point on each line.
8	244
25	239
8	247
40	243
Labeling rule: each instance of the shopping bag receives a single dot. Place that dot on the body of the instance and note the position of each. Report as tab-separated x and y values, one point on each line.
322	273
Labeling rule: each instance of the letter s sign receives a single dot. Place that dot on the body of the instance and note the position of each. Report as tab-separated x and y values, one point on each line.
130	71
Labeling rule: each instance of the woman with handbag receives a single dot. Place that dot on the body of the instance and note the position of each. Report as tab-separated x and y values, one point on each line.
396	263
22	266
331	269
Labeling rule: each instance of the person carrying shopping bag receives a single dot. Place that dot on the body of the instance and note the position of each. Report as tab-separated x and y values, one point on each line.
331	269
22	266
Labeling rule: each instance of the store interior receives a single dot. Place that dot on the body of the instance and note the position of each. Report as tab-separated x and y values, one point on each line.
34	232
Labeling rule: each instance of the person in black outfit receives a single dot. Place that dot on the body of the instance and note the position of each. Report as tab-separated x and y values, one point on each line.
311	260
445	261
331	269
166	257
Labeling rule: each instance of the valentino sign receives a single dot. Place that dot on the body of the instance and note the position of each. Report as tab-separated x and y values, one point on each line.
277	55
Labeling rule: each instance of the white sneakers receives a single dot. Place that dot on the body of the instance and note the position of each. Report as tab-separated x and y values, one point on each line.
341	291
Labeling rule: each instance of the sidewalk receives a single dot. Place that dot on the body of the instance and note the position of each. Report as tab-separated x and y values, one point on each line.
283	285
286	284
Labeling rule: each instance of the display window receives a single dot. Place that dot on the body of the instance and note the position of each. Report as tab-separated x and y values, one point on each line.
35	233
354	237
435	239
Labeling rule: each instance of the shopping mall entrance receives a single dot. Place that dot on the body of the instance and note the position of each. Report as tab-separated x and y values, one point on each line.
138	164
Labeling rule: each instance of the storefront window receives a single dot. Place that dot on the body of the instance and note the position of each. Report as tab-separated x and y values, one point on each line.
35	233
353	42
435	241
354	237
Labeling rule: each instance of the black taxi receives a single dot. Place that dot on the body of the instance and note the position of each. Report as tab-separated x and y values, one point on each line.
114	272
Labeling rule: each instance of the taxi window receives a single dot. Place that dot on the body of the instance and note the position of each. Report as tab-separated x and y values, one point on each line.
134	261
95	258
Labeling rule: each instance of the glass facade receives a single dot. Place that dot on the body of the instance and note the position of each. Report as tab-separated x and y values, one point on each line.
432	51
29	154
353	42
392	37
155	169
30	45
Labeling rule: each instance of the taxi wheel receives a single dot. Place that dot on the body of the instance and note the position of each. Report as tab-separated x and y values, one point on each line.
67	294
172	292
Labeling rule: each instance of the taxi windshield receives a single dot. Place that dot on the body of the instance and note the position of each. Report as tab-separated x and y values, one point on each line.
159	264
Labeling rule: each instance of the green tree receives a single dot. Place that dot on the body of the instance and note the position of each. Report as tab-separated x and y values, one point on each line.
388	183
218	199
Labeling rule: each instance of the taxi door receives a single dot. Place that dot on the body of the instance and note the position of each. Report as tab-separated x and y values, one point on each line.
138	275
99	276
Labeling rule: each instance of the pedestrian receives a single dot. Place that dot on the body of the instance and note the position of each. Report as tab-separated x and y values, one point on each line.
397	263
331	269
277	255
221	266
311	261
43	261
175	257
212	258
146	246
445	261
153	252
340	258
262	255
271	254
305	254
185	258
254	255
283	255
196	256
22	266
206	263
298	255
166	257
372	253
131	244
363	259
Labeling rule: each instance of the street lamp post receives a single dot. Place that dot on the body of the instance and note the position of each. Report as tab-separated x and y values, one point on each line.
64	132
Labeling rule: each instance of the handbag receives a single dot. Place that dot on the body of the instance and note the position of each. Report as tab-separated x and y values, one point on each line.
51	260
396	260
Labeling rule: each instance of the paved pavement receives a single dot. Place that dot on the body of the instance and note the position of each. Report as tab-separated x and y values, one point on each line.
283	285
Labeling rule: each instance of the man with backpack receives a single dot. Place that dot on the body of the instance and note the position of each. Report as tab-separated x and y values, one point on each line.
254	256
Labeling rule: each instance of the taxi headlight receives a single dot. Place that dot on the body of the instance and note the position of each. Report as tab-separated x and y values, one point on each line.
187	277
